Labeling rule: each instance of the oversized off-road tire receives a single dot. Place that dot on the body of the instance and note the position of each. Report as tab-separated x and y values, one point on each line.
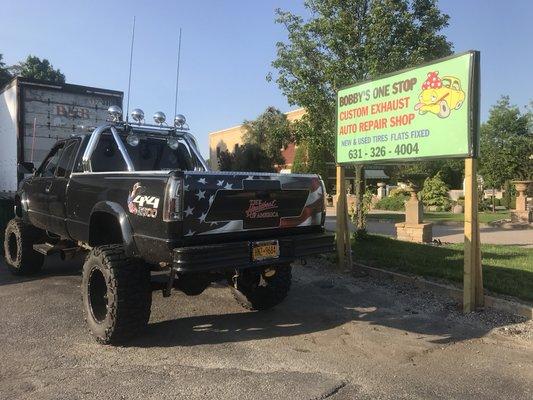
117	294
18	248
261	289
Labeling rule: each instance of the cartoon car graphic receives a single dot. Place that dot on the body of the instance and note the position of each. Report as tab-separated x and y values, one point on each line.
440	95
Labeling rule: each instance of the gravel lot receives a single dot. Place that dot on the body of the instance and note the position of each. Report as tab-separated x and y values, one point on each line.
336	337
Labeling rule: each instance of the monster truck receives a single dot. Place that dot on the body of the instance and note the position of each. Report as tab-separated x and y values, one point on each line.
141	201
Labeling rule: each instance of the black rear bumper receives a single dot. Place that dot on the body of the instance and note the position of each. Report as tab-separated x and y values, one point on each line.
238	254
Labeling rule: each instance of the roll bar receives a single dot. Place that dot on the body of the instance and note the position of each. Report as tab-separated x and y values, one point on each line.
93	142
95	137
191	142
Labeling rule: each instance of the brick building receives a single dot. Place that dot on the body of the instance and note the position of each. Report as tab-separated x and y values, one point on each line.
230	138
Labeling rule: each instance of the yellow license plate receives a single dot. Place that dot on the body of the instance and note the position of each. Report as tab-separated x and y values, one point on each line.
265	250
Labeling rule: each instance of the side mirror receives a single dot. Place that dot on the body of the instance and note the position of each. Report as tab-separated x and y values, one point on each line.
26	167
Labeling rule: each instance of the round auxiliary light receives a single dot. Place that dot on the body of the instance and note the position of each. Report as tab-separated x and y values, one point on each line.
137	115
179	120
133	140
160	117
173	143
115	112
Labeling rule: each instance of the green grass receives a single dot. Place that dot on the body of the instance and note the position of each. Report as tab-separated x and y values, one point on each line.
484	217
506	269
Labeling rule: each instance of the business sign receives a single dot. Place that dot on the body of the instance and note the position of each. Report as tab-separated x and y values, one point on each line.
425	112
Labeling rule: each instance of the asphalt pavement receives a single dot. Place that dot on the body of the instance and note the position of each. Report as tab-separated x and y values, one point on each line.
335	337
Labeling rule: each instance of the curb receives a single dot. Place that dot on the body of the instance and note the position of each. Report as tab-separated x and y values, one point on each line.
448	223
495	303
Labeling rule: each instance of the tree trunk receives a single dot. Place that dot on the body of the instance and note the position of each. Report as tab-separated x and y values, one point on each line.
360	224
493	200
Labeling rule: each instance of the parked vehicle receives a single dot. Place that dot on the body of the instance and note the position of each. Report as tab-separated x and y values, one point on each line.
140	198
35	114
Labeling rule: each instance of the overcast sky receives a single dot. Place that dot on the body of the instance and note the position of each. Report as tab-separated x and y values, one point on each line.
227	49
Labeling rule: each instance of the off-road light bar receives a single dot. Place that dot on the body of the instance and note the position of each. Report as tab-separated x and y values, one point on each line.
115	112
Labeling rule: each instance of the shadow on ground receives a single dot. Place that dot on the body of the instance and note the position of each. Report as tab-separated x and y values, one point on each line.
53	266
318	302
319	305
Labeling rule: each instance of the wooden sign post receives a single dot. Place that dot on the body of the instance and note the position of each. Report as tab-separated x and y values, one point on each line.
342	229
473	297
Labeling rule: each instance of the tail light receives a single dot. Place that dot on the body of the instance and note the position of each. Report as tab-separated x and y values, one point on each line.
325	201
173	205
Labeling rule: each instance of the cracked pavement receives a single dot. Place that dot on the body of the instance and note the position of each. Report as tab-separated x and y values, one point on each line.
335	337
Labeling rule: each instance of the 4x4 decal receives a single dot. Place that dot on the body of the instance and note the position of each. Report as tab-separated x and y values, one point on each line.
140	204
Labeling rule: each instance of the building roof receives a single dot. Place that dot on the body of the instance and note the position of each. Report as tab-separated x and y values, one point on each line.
375	174
69	87
291	116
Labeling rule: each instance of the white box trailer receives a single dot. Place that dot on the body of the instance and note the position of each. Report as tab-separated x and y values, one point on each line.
35	114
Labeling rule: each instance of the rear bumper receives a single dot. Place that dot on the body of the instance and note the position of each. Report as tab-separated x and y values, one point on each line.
238	254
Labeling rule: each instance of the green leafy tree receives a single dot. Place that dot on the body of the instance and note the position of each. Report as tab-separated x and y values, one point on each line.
300	163
348	41
5	76
435	192
248	157
270	131
226	161
506	145
450	170
309	158
34	67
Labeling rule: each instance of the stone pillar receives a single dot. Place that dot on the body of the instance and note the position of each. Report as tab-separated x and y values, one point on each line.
521	214
414	229
382	191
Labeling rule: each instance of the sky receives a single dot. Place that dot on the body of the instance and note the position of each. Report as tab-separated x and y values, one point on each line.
227	49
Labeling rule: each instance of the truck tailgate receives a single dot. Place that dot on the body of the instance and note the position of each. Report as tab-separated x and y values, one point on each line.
228	202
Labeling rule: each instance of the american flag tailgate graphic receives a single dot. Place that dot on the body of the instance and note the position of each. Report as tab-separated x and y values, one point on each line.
225	202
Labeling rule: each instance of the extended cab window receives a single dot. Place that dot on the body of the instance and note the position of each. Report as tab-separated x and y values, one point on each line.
65	162
107	157
154	154
49	165
149	154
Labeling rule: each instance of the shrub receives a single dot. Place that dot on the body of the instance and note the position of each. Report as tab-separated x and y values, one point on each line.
391	203
399	192
435	192
366	204
509	195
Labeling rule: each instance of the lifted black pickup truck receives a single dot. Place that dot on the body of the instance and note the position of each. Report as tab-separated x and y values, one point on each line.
140	198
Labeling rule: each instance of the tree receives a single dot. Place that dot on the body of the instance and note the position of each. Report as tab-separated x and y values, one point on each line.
451	171
36	68
5	76
226	161
300	163
271	132
348	41
435	192
506	145
248	157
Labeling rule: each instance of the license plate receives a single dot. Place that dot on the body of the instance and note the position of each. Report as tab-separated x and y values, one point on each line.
265	250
